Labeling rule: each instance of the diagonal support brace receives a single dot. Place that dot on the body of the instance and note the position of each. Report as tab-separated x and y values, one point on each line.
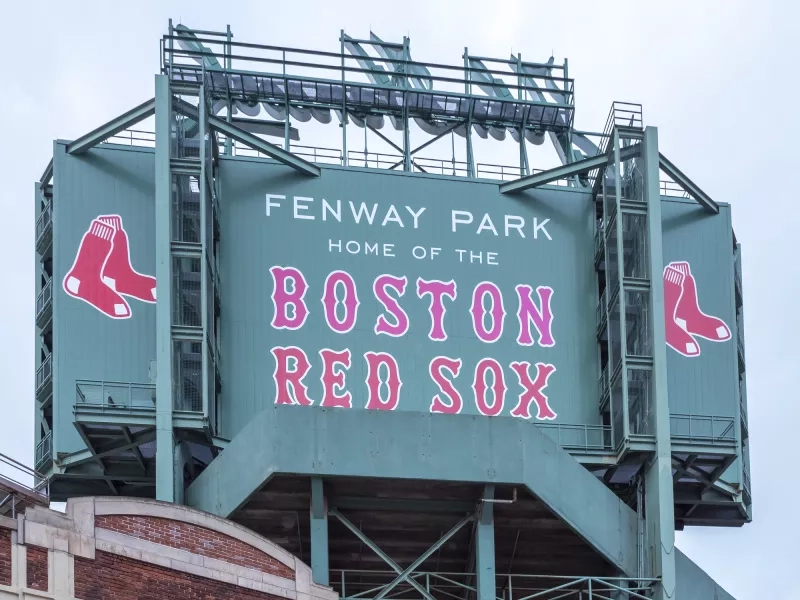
122	122
687	184
369	543
568	170
425	555
251	140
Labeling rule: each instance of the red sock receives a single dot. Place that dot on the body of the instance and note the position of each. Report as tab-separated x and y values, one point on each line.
83	281
689	315
118	273
677	338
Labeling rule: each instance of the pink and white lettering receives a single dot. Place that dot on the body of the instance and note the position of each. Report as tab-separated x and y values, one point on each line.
479	385
375	360
390	305
437	290
541	316
333	366
398	321
532	391
479	312
350	303
289	308
454	403
291	366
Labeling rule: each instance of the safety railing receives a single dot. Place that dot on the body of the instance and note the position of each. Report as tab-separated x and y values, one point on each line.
600	311
133	137
746	479
20	487
579	438
622	114
44	372
737	277
366	584
603	384
113	395
44	222
44	299
670	188
44	450
702	429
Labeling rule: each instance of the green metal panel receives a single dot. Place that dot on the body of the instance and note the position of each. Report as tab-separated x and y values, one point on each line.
559	254
408	445
694	584
88	343
706	384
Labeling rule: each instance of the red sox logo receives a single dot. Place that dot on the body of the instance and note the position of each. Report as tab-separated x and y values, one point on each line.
685	322
102	272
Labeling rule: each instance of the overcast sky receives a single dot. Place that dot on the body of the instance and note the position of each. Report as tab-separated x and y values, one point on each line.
718	78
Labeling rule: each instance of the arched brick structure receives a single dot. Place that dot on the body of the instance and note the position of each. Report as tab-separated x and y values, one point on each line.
127	548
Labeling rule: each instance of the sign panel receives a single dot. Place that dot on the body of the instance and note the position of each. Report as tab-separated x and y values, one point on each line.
379	291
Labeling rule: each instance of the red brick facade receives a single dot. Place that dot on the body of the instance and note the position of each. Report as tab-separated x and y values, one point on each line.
5	556
37	568
114	577
195	539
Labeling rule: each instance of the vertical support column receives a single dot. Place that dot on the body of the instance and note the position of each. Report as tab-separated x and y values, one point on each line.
165	471
484	545
659	499
319	533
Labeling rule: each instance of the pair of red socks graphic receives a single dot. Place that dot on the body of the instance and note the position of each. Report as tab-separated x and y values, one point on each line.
102	273
685	322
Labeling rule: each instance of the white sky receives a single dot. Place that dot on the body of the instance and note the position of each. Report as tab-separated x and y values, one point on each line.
718	78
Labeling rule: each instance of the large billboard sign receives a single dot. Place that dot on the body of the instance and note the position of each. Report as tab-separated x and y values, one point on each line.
378	291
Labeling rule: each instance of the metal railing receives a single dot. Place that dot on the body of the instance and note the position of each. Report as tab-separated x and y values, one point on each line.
20	486
114	395
603	384
44	449
670	188
737	277
600	311
742	403
44	372
621	114
133	137
745	478
43	222
705	429
587	438
44	298
354	584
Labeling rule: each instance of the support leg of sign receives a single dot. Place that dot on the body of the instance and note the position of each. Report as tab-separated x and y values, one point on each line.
165	465
484	545
319	533
659	497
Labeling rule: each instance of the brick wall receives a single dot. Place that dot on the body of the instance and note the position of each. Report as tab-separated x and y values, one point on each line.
196	539
37	568
5	556
114	577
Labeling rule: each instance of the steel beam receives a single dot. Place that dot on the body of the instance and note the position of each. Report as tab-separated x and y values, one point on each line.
113	127
659	501
132	441
687	184
46	176
484	545
400	505
320	568
568	170
165	464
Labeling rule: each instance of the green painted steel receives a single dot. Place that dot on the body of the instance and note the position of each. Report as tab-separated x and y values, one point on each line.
320	569
165	465
704	384
484	545
87	343
660	518
695	584
330	442
410	216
